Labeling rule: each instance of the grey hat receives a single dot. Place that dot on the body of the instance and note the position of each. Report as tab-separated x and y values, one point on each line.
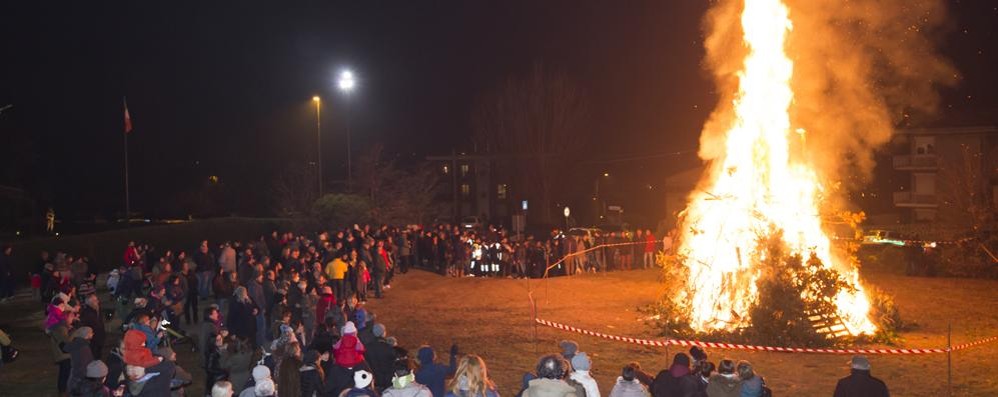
96	369
581	362
568	347
378	330
860	362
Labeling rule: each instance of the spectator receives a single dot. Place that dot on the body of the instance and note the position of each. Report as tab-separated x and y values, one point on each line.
381	357
311	374
242	317
288	374
752	384
725	382
432	374
860	382
263	384
221	389
348	351
580	365
80	355
703	377
236	360
403	382
628	385
59	337
90	316
471	379
153	381
677	380
645	378
92	385
361	385
568	349
181	378
550	382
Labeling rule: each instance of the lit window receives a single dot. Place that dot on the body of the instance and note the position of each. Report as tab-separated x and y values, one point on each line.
464	169
502	190
465	190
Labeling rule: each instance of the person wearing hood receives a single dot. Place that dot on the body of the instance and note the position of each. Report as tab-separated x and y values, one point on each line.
403	381
628	384
381	357
677	380
581	365
753	385
859	382
79	355
471	379
348	351
93	384
311	376
725	383
432	374
551	372
134	350
261	377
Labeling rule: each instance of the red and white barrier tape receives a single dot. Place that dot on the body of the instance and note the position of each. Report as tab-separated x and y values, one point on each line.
736	346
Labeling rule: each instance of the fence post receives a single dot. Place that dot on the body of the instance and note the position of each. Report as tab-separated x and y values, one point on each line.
949	359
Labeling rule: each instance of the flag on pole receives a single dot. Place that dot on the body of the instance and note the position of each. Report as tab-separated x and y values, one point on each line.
128	119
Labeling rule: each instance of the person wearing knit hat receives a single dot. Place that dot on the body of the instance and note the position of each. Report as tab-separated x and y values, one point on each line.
381	356
860	382
581	365
261	374
348	351
79	355
93	383
568	349
378	330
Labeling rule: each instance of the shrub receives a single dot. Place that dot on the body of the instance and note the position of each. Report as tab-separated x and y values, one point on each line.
338	210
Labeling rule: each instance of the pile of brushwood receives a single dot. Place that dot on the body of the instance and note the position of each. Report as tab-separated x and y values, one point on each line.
791	288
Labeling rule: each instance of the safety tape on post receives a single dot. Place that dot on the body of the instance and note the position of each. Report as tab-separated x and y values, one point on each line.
736	346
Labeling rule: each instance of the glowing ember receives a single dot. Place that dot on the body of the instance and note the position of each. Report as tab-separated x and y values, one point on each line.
755	184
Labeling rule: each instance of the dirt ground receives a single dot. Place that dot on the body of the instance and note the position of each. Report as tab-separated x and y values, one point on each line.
491	317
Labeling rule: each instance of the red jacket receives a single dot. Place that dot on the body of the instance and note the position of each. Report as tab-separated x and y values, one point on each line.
325	303
650	242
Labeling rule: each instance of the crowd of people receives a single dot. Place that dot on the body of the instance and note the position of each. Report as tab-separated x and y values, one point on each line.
285	315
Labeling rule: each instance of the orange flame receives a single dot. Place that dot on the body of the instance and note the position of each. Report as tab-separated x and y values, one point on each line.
755	184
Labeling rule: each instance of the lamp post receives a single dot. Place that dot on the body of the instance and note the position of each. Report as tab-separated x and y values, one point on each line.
346	83
318	136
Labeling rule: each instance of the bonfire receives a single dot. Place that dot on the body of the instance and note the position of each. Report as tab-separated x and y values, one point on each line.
761	186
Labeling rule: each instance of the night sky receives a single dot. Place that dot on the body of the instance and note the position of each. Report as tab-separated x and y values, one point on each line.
225	89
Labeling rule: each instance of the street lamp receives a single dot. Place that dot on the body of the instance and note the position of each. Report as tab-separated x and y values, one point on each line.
318	136
346	83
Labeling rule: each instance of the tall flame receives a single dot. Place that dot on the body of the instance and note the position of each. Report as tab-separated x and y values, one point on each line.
758	183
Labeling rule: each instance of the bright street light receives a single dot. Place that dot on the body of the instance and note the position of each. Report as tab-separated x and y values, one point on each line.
316	98
346	81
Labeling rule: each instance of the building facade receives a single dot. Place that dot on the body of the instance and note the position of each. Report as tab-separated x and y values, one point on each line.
476	185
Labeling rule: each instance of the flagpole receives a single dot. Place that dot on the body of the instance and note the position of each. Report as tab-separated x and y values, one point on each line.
127	201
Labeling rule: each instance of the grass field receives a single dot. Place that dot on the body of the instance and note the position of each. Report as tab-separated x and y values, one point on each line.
491	317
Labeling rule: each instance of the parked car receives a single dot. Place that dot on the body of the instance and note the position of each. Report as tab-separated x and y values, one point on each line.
471	222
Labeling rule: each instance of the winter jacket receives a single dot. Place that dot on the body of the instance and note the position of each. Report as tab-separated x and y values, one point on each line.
288	377
543	387
674	382
80	357
90	387
413	389
587	381
752	387
724	386
241	321
860	384
155	383
238	366
91	317
255	292
629	388
58	338
115	367
135	352
339	378
311	382
381	357
432	374
348	352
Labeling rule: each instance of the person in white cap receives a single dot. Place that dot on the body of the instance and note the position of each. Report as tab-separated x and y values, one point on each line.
860	383
261	374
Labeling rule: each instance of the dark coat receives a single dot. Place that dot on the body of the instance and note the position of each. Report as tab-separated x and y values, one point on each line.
431	374
668	385
339	378
115	367
241	321
91	317
157	386
381	356
80	356
860	384
311	382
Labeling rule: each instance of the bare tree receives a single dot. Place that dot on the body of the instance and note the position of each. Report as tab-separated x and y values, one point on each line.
294	190
538	121
396	195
